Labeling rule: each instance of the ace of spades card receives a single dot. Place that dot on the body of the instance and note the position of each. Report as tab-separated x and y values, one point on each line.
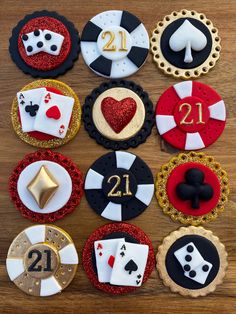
130	263
105	251
54	114
28	104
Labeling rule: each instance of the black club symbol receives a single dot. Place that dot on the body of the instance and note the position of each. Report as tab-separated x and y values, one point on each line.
32	109
194	189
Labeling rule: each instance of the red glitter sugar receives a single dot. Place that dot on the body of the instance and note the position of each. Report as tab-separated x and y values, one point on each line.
118	113
77	186
102	232
42	60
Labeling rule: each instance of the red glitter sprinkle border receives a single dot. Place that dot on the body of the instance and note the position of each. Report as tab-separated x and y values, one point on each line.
65	162
102	232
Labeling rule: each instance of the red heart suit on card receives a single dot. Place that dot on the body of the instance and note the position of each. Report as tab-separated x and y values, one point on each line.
118	113
53	113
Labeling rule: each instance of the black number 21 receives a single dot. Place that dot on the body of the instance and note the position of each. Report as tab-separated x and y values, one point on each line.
33	267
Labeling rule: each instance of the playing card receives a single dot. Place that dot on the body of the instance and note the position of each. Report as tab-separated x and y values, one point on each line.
105	251
28	103
200	273
130	263
53	42
188	256
54	114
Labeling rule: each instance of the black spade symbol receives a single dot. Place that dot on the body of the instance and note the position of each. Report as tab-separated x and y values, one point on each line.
32	109
131	266
194	189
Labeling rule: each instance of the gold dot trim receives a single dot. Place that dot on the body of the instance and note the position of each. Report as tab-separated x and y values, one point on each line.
75	118
161	183
169	68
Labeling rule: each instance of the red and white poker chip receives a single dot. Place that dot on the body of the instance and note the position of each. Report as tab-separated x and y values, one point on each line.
68	165
178	175
102	233
190	115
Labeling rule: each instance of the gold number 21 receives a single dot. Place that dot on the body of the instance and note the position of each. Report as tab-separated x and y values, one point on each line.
189	109
109	45
113	192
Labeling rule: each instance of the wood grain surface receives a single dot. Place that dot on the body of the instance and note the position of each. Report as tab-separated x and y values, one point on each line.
81	296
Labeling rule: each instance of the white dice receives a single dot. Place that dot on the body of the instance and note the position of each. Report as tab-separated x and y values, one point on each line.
193	264
33	42
42	40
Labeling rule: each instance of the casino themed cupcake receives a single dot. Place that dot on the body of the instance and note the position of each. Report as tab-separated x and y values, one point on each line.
192	188
114	44
42	260
190	115
118	115
192	261
119	186
185	44
46	113
44	44
45	186
118	258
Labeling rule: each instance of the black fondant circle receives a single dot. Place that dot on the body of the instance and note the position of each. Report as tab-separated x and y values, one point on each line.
208	252
131	207
177	58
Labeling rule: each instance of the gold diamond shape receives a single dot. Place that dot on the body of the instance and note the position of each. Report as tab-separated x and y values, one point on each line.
43	187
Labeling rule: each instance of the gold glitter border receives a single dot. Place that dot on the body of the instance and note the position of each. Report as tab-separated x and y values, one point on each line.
64	274
162	196
161	257
75	118
169	68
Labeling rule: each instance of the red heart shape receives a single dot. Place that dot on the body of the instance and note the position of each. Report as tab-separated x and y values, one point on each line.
53	113
118	113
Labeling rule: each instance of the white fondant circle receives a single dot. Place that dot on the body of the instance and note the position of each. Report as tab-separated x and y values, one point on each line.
122	66
62	194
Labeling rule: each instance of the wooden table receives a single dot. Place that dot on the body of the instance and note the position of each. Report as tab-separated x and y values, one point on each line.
81	296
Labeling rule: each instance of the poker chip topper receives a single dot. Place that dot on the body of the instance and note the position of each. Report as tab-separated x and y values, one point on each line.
45	186
192	261
114	44
185	44
118	258
42	260
46	113
192	188
118	114
190	115
119	186
44	44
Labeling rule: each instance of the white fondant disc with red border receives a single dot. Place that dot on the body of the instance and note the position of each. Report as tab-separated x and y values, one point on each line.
45	186
190	115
